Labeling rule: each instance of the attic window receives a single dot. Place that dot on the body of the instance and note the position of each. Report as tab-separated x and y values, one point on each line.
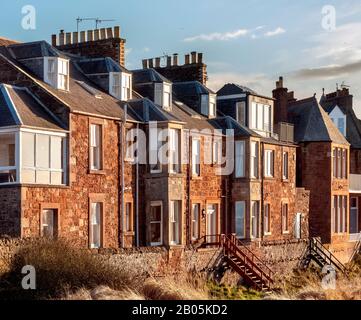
120	85
208	105
89	89
56	72
163	95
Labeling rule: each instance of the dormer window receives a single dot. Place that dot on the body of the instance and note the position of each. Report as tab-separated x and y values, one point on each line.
339	119
120	85
56	72
208	105
163	95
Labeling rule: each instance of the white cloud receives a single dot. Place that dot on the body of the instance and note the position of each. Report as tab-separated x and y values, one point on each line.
219	36
337	47
275	32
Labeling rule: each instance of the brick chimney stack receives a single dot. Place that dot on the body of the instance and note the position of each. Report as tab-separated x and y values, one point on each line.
340	97
282	99
104	42
193	68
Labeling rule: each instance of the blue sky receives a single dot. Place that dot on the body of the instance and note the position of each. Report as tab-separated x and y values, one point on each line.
250	42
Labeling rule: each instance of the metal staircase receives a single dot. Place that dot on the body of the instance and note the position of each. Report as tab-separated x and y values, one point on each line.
317	252
235	255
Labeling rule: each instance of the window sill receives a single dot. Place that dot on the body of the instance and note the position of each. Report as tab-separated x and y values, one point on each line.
99	172
129	233
267	234
285	232
33	185
196	178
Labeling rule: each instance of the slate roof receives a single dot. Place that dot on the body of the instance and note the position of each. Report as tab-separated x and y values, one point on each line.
190	88
77	98
312	123
145	110
19	107
228	122
99	65
231	88
353	124
148	75
34	50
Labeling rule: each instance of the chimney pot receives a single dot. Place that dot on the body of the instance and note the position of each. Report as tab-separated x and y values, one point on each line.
61	38
90	35
53	40
186	59
96	35
102	34
194	57
68	38
75	37
116	32
109	33
169	61
200	57
82	36
145	63
150	61
157	62
175	59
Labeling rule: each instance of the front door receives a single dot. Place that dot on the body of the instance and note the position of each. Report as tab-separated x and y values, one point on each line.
211	227
354	216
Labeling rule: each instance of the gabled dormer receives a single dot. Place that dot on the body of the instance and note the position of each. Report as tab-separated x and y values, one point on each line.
339	119
197	96
109	75
45	61
152	85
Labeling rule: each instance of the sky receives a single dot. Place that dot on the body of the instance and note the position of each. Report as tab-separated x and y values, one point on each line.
249	42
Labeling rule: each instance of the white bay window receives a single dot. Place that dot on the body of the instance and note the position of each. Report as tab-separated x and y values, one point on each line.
56	72
120	85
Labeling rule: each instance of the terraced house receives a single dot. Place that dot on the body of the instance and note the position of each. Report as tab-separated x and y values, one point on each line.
70	112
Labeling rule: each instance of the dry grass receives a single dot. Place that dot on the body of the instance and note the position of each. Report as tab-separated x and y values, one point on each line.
308	286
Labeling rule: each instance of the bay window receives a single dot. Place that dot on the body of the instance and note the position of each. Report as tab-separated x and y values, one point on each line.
339	163
8	170
33	157
174	150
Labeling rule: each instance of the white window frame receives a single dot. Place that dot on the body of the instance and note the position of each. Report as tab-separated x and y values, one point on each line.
196	221
196	165
156	144
173	222
15	168
285	165
253	203
35	168
240	205
163	95
241	108
55	218
157	204
174	150
120	85
52	77
254	159
212	113
96	147
269	163
240	154
95	205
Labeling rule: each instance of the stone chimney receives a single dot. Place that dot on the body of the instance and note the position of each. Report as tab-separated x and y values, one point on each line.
104	42
193	68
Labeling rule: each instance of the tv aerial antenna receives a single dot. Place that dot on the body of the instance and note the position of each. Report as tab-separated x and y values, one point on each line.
96	20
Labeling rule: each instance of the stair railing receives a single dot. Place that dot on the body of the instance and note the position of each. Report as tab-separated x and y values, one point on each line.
319	248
